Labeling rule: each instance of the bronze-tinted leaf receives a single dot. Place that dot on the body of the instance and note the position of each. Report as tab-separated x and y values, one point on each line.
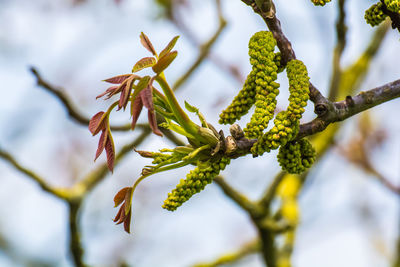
110	151
136	108
147	98
112	90
118	79
169	46
164	62
120	217
128	201
126	91
127	222
145	41
142	84
97	123
120	196
143	63
153	123
102	143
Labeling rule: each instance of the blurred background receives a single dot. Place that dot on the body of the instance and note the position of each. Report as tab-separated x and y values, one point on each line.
348	217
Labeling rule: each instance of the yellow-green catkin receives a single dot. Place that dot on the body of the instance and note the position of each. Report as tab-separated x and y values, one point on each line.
287	122
261	49
297	156
374	15
320	2
393	5
259	85
277	61
195	181
241	103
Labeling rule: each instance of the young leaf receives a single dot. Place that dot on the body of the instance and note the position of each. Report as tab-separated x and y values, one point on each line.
136	108
191	108
112	90
169	46
128	199
143	83
164	62
144	63
153	123
147	98
110	151
147	44
127	222
97	123
118	79
120	196
126	91
102	143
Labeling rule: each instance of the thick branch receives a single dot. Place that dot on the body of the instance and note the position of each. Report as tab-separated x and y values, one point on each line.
74	237
338	111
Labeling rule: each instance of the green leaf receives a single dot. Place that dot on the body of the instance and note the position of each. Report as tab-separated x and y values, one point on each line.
169	46
145	41
142	84
164	62
191	108
144	63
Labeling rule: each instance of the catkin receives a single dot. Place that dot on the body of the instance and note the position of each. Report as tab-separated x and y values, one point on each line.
374	15
195	181
261	50
297	156
393	5
287	122
260	88
320	2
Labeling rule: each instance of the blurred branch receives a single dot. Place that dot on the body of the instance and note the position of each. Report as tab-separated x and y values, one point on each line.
74	236
237	197
269	194
218	61
67	103
42	183
204	49
230	258
341	30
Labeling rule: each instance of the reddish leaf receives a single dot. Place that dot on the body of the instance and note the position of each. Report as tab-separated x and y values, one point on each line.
126	91
102	143
110	151
128	201
153	123
120	196
119	218
127	222
136	108
97	123
118	79
169	46
147	44
110	92
147	98
143	63
164	62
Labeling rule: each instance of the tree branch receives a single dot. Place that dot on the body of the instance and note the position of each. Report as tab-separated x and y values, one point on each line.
237	197
204	50
230	258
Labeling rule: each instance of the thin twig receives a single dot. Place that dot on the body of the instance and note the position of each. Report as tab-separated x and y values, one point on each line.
229	258
204	50
341	30
237	197
41	182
